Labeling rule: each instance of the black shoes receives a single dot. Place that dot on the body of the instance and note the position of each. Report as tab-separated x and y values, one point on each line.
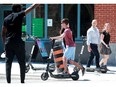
104	67
83	71
22	81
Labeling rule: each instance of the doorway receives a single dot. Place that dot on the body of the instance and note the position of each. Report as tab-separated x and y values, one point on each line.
86	16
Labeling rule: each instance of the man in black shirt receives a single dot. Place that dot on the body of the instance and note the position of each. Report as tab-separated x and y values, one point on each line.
11	37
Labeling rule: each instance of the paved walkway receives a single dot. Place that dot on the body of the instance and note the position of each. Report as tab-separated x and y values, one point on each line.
33	78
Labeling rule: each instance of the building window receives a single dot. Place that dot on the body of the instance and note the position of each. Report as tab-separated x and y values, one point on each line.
70	12
54	15
38	22
87	15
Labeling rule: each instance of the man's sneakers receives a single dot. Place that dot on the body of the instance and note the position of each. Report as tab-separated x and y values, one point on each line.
88	69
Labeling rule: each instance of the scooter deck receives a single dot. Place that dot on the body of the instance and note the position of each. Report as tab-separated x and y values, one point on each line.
59	76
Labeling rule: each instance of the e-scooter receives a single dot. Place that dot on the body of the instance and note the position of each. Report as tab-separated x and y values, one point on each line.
57	52
102	69
37	46
81	52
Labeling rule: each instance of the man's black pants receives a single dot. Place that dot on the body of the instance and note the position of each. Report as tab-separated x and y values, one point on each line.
93	53
12	49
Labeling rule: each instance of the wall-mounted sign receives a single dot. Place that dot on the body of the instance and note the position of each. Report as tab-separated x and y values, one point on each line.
50	22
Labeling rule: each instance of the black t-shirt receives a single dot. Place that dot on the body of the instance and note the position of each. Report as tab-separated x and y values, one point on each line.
106	37
13	23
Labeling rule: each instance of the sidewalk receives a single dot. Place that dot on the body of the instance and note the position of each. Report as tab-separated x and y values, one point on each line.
33	78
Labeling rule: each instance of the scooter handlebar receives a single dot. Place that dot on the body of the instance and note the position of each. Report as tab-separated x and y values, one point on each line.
84	38
53	42
31	36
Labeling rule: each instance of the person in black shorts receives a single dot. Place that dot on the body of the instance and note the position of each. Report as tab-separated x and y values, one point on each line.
105	48
11	38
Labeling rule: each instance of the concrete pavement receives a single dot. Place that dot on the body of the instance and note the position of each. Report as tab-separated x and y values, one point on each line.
33	78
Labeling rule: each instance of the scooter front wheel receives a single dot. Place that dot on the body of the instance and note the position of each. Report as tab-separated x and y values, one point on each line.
44	76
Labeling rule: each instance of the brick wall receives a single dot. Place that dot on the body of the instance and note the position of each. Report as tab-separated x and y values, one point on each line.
106	13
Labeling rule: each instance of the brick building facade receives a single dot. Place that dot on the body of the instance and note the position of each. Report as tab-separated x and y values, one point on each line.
106	13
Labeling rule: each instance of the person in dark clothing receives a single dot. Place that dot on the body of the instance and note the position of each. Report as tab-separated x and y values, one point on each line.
105	48
11	38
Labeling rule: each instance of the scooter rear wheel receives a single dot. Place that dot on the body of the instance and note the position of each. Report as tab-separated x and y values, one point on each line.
103	71
27	69
44	76
75	76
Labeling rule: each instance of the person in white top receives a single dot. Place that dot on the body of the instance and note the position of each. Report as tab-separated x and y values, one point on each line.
93	40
